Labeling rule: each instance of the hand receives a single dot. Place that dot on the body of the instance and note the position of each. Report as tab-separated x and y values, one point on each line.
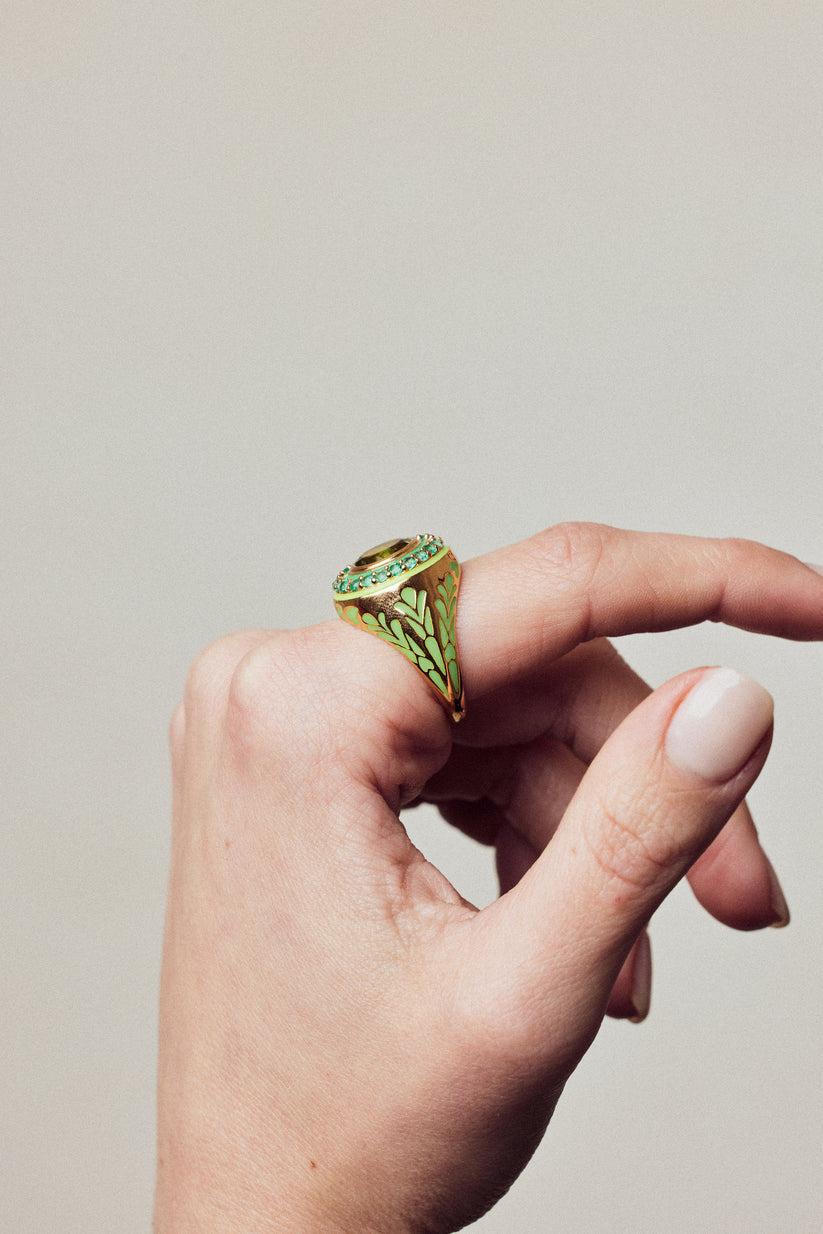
345	1043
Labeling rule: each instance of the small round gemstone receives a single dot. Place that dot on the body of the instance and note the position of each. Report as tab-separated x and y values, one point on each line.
393	559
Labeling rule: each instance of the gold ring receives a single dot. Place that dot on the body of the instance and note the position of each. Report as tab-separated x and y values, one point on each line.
405	592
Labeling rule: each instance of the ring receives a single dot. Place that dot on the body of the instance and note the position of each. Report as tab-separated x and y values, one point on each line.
405	592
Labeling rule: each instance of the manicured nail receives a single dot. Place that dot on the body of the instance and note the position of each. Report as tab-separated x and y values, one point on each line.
812	566
641	993
778	902
719	725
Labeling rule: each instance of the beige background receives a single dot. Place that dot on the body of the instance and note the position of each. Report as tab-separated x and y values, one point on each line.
282	278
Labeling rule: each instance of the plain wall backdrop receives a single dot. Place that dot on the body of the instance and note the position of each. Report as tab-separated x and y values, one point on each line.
282	278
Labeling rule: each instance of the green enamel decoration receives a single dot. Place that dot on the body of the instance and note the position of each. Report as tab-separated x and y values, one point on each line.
415	615
435	653
438	683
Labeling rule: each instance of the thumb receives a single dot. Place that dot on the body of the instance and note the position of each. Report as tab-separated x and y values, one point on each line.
656	795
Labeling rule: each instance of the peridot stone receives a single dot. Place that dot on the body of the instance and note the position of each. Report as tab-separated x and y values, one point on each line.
389	548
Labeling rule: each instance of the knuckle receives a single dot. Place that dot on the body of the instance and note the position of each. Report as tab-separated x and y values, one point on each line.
252	681
210	675
631	858
210	672
737	547
572	550
259	688
569	556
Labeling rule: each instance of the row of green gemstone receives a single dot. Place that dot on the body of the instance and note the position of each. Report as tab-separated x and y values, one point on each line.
347	583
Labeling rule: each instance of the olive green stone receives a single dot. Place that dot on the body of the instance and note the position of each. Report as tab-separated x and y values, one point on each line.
389	548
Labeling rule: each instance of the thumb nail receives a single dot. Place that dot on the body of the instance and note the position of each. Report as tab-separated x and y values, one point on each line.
719	725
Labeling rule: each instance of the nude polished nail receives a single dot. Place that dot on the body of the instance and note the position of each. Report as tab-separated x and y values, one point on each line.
719	725
641	988
780	908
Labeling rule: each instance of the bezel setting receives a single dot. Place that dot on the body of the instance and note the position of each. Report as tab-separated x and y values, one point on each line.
389	565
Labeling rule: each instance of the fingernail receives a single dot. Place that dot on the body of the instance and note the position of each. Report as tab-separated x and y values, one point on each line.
778	902
812	566
719	725
641	992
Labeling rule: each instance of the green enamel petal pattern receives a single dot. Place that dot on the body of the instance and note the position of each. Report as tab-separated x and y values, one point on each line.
434	656
406	594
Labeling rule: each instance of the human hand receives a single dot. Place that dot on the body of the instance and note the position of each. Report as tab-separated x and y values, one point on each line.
346	1044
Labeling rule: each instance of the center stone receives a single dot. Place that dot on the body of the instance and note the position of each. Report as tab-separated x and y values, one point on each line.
389	548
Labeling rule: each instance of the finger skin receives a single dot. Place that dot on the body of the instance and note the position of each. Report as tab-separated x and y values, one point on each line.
735	881
580	581
635	826
515	855
630	998
527	788
578	698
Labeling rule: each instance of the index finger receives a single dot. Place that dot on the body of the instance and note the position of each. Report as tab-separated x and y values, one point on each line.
525	605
